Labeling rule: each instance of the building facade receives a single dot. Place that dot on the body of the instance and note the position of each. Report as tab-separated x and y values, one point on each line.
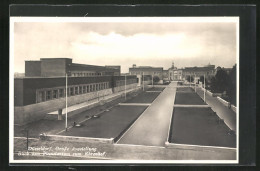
34	97
147	70
196	72
55	67
174	74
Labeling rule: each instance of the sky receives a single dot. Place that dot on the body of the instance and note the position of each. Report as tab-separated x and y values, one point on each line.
144	44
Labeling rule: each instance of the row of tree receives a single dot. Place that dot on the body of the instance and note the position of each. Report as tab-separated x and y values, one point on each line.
222	82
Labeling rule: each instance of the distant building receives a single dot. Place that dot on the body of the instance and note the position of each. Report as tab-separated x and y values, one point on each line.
208	70
174	74
146	70
225	69
56	67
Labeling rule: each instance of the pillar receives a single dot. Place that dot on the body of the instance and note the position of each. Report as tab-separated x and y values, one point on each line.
60	114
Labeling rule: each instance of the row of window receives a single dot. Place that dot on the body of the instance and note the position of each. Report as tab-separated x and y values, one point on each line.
55	93
146	73
82	74
198	73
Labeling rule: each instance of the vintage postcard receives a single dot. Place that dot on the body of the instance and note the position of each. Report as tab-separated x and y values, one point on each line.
124	90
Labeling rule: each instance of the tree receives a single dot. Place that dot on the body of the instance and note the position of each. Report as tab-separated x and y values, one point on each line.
219	83
190	78
231	88
202	80
156	79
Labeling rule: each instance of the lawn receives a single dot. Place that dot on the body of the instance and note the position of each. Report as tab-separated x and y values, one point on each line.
145	97
110	124
186	98
199	126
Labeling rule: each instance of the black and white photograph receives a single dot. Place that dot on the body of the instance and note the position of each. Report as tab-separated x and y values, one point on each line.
124	89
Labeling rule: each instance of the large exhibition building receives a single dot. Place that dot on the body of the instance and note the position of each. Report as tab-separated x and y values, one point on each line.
43	89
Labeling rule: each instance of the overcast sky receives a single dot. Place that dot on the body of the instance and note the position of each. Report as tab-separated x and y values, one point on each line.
143	44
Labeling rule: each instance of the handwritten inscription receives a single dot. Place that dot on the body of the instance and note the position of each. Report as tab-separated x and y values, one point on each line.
62	151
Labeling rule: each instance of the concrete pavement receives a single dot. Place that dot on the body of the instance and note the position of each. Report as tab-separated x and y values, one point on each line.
222	111
152	126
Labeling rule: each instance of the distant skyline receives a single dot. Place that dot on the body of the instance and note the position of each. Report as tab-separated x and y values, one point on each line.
155	44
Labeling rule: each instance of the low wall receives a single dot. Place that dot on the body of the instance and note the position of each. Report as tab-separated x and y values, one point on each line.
38	111
79	139
29	113
122	88
210	93
223	101
234	108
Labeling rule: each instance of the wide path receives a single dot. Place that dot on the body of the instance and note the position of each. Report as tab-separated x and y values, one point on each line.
222	111
153	125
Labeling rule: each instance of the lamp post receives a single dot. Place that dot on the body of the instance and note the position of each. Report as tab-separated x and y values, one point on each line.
195	83
152	80
143	81
66	119
190	80
125	87
204	89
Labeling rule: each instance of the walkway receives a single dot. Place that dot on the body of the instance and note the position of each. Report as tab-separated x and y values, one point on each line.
152	127
222	111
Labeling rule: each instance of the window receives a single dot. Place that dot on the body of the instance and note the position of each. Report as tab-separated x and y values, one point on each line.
84	89
80	89
94	87
97	87
61	93
87	88
90	88
41	96
48	95
71	91
76	90
55	94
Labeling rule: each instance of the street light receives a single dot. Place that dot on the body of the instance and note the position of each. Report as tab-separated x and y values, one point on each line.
143	81
152	80
190	80
195	82
66	119
204	89
125	87
66	99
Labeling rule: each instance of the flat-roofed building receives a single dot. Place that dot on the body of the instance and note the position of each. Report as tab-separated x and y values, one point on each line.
208	70
55	67
146	70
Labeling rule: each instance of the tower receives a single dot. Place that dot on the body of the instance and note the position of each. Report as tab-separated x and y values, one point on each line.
172	65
